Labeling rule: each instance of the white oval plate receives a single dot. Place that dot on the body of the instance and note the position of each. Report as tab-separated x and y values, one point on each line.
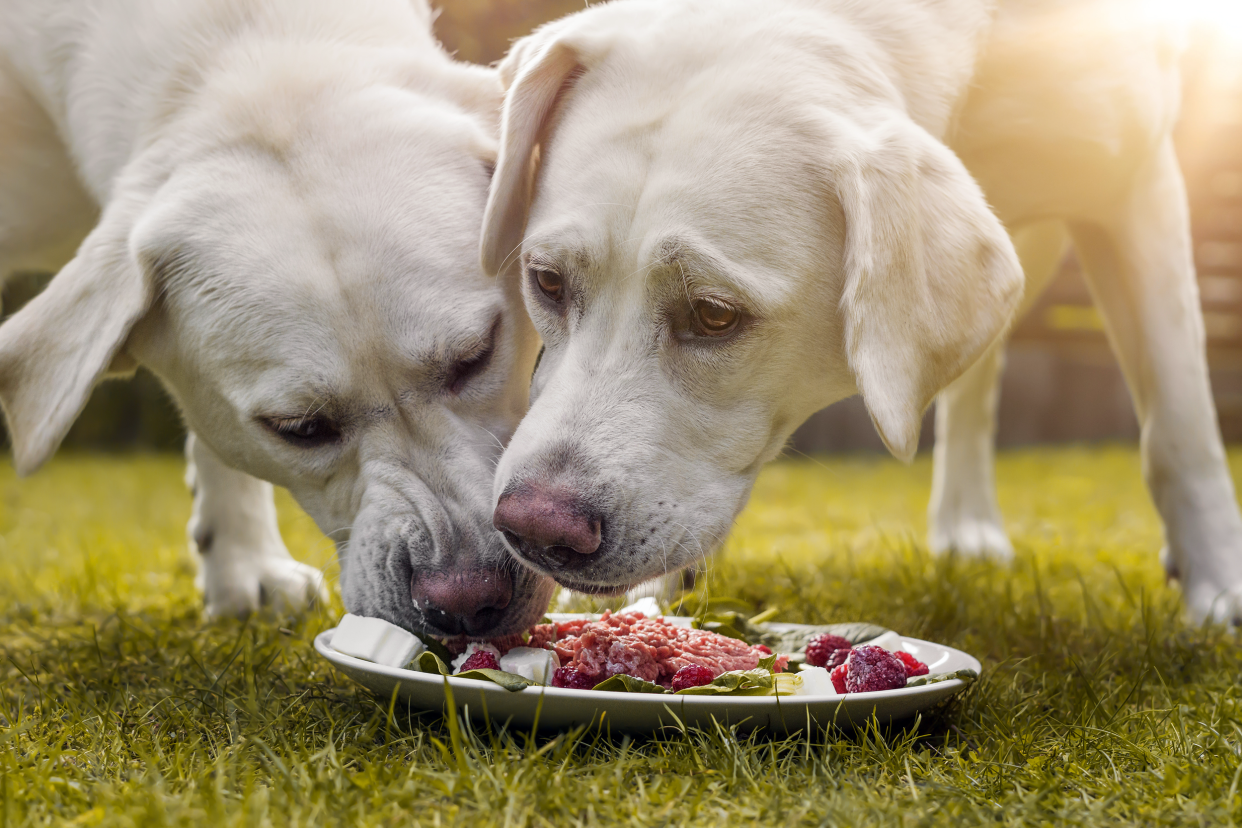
554	708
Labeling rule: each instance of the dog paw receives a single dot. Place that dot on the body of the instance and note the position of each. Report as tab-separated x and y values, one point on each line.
279	584
971	538
1209	604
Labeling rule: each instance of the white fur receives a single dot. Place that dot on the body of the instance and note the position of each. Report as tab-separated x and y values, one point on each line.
275	208
847	173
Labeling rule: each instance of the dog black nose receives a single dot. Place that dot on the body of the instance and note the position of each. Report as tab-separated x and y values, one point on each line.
471	601
548	526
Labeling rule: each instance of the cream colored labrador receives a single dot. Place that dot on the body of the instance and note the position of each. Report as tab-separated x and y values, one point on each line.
275	207
726	215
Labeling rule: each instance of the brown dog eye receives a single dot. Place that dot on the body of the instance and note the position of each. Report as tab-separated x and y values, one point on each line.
715	319
551	284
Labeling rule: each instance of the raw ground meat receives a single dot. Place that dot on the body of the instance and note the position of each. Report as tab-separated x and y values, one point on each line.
647	648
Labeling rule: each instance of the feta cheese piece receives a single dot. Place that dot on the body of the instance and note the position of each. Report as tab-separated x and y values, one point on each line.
890	641
816	681
472	648
648	606
531	663
374	639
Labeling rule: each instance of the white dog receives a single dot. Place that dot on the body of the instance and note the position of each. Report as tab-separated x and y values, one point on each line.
727	215
277	204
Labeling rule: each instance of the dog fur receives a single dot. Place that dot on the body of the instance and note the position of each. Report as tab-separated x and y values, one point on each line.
274	206
874	187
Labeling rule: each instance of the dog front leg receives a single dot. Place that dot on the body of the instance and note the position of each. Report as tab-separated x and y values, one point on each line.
242	562
963	515
1140	268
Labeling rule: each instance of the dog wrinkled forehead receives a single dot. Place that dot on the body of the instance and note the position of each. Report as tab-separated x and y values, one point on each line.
699	193
345	216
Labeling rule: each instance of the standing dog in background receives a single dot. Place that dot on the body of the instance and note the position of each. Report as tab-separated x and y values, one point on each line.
727	215
275	207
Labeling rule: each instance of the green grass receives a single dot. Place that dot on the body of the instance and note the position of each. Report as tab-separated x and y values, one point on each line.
118	706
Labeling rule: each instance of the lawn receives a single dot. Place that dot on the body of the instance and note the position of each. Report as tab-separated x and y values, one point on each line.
118	706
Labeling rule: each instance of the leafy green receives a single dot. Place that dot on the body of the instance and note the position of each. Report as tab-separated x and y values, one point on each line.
935	678
794	641
779	639
628	684
510	681
429	662
735	625
756	682
436	646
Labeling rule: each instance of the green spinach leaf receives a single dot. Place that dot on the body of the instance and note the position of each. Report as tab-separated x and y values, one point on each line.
628	684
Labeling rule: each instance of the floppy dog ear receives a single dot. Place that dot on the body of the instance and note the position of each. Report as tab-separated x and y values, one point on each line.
932	278
54	350
536	73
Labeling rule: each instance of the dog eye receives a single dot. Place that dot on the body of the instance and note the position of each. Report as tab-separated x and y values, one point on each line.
304	432
715	318
550	283
467	369
474	363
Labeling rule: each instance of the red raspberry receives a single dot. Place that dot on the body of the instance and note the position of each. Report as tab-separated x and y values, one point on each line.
821	647
838	678
692	675
572	679
838	658
763	648
481	660
913	666
873	668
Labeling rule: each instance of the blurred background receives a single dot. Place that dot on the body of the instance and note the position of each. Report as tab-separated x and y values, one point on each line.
1061	382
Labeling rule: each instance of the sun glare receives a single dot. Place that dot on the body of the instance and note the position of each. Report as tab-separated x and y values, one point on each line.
1222	17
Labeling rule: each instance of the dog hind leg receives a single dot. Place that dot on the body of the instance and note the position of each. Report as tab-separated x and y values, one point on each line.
963	515
1140	268
243	564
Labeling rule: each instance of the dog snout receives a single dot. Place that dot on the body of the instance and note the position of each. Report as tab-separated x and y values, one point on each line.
470	602
547	525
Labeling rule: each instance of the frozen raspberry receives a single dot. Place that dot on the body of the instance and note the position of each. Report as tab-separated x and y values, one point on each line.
572	679
838	678
913	666
873	668
838	658
821	647
481	660
692	675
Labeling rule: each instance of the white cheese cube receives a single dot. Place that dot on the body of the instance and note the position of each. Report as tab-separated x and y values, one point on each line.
531	663
890	641
816	681
648	606
374	639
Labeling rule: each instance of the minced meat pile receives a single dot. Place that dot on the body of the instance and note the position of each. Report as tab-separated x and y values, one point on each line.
647	648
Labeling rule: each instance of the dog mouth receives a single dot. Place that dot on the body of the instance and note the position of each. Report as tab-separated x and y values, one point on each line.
584	587
601	590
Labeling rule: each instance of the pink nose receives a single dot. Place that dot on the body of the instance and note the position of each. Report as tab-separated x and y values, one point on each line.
545	518
470	601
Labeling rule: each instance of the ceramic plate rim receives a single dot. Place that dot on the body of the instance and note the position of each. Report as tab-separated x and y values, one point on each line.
323	645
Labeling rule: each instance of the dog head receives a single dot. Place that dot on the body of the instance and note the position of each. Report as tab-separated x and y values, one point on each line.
296	257
720	225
